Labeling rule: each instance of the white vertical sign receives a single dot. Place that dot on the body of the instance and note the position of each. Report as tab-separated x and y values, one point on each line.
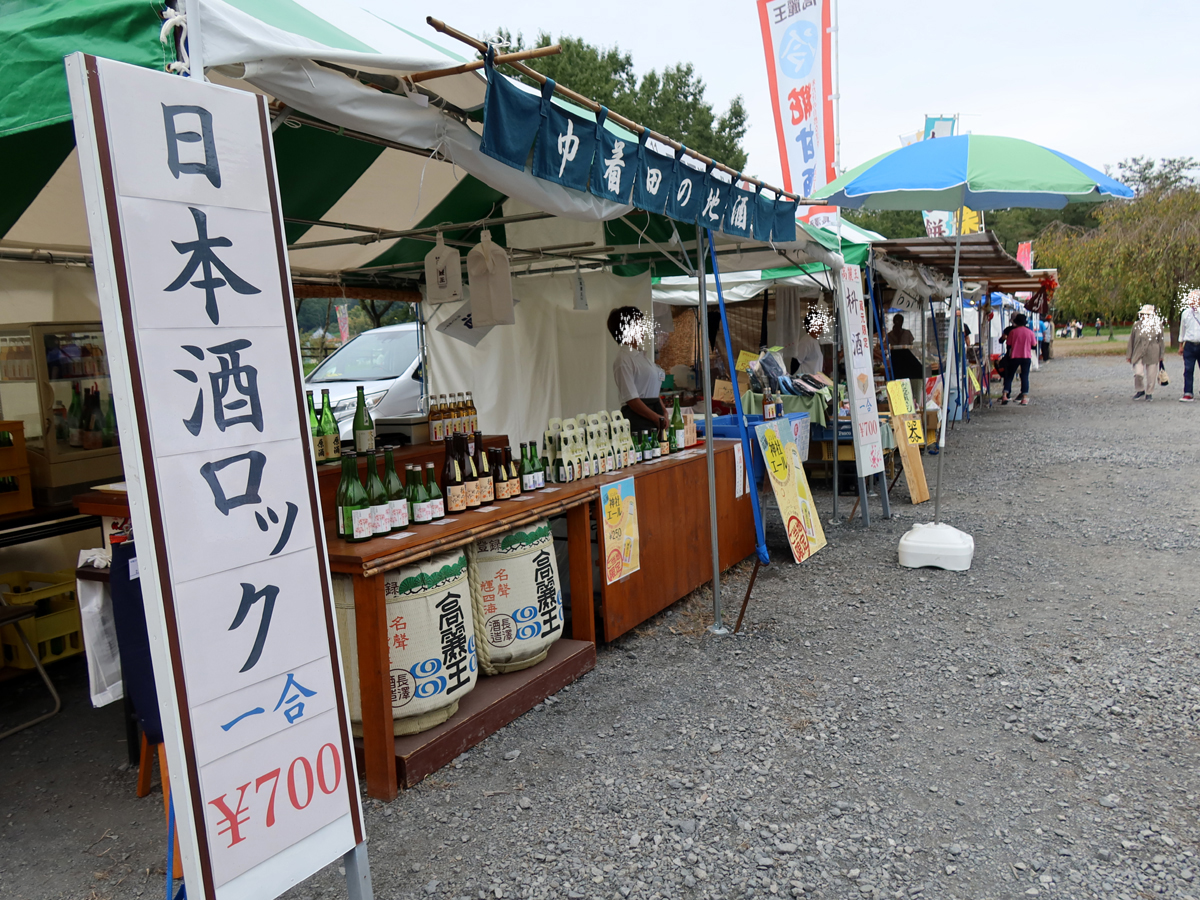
796	40
860	373
179	182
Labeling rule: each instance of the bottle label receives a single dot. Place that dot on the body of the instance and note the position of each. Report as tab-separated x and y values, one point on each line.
399	513
75	437
456	498
438	507
423	511
470	446
439	430
487	491
500	488
680	437
659	451
541	478
319	448
341	521
333	446
364	441
612	462
381	519
470	493
359	523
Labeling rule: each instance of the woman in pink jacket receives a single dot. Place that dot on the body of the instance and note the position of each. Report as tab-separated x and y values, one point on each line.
1021	340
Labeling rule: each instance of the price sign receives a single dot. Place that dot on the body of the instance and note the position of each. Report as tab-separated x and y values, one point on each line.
195	293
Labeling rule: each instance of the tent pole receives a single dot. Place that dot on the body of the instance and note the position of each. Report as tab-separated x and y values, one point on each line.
955	299
718	626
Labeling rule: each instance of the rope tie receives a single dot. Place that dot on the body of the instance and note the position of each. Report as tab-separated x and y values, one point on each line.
173	19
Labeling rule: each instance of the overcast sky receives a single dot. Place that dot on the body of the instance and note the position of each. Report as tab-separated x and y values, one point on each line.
1096	79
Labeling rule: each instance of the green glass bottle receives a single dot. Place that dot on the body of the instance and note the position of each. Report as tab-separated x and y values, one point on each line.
330	435
377	497
397	501
314	429
108	431
356	506
418	497
679	434
339	500
543	464
364	427
437	503
75	417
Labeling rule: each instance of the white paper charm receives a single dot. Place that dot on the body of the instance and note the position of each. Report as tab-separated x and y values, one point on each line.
443	273
491	284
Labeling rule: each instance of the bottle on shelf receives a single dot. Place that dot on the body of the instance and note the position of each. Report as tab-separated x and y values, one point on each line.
473	413
93	420
452	482
314	428
470	474
499	476
526	472
108	429
418	498
330	434
436	432
377	498
677	427
355	509
437	503
539	468
510	469
75	417
487	490
454	417
544	463
397	500
364	426
662	448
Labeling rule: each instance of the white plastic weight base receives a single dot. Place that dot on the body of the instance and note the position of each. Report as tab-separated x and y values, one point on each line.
939	545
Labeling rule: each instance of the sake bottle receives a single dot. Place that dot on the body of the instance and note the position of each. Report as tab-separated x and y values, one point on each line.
397	501
340	500
109	433
473	413
678	429
487	490
499	476
314	428
470	476
437	420
437	503
544	464
456	496
364	427
75	417
329	429
377	497
419	497
356	506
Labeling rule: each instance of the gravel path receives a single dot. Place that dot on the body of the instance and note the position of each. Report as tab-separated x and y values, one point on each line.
1027	728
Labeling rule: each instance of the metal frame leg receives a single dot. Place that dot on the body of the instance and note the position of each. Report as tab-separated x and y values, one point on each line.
46	678
358	873
749	588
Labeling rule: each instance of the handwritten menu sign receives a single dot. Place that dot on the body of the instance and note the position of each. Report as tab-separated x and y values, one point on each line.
183	209
622	550
860	375
779	442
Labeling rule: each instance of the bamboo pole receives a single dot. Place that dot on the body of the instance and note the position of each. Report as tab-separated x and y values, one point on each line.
504	59
621	120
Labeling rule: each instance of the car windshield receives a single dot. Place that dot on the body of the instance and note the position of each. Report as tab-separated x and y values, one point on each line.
372	356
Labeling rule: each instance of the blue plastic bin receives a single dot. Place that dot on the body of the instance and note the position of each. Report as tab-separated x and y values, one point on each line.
727	427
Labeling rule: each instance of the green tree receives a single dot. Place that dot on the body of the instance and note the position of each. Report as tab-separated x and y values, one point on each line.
891	223
1146	176
1141	252
672	102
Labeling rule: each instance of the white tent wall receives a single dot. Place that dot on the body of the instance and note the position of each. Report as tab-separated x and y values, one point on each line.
555	361
44	292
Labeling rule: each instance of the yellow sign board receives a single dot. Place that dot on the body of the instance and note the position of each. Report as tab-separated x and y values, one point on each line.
621	544
900	396
744	359
778	441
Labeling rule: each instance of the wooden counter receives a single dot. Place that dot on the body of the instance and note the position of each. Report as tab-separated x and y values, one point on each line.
673	526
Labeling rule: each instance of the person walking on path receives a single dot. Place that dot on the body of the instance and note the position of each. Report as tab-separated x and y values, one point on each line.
1020	340
1145	351
1099	325
1189	340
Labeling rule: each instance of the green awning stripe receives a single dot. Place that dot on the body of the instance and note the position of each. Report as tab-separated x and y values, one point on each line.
287	15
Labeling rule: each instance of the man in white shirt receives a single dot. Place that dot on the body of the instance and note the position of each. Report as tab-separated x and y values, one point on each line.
1189	340
806	352
638	380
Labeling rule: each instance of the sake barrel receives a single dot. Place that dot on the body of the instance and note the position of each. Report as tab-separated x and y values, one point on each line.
517	598
430	637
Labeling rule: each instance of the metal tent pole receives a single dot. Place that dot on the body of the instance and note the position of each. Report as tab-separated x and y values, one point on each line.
837	342
955	299
702	310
